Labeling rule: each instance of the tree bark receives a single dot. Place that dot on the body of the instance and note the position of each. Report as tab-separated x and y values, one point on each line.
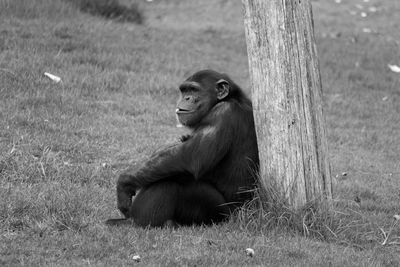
287	101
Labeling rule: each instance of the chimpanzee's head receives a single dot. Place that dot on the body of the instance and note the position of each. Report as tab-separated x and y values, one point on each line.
200	93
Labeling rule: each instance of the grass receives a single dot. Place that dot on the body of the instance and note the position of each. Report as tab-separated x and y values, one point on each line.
62	145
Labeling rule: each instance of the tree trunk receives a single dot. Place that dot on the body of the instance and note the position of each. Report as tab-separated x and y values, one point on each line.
287	101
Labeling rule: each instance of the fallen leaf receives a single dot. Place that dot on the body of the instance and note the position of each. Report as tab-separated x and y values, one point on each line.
136	258
394	68
52	77
250	252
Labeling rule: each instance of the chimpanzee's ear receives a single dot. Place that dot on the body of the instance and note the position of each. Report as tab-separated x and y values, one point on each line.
222	89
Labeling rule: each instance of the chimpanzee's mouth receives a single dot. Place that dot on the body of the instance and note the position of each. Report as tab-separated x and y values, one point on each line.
183	111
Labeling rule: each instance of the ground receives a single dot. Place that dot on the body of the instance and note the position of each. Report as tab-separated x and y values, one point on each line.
63	144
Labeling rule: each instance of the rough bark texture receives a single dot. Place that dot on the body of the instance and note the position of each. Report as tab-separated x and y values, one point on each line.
287	100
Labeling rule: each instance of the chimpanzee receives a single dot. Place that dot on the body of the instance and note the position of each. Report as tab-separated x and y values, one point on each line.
207	175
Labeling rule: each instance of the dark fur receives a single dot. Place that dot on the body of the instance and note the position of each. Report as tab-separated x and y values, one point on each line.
202	179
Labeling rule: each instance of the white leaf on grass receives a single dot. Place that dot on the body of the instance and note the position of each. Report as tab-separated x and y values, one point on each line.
394	68
136	258
249	252
52	77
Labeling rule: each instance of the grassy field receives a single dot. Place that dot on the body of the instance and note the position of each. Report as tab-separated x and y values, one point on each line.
63	144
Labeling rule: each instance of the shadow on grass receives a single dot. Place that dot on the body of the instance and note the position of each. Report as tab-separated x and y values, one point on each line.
110	9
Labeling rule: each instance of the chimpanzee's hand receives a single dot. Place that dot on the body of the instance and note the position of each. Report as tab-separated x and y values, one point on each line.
125	191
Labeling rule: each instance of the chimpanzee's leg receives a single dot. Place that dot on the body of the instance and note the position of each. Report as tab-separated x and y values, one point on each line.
168	202
200	203
155	205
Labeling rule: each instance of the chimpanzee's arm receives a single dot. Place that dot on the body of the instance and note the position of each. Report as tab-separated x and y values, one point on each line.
197	155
